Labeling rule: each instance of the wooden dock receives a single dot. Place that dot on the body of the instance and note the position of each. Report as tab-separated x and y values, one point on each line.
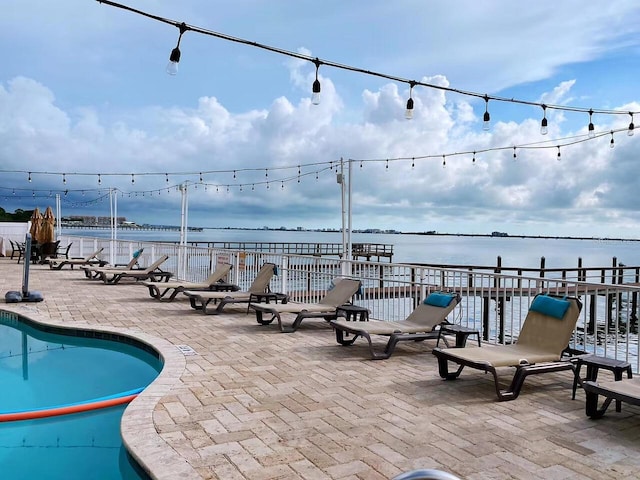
368	251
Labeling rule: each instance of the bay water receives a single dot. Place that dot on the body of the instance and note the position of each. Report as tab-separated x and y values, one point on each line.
431	249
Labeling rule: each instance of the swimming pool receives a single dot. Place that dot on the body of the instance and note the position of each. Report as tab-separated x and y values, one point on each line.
45	366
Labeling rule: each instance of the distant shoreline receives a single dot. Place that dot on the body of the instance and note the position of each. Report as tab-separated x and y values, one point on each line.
387	232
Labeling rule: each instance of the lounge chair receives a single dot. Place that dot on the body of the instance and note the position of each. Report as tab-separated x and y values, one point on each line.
153	272
167	291
90	260
200	300
91	271
325	308
420	325
624	390
544	337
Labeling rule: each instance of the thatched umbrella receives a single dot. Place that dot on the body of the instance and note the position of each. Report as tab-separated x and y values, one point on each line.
47	232
36	225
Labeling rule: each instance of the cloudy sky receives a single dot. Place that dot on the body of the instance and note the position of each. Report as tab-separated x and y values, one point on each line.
84	93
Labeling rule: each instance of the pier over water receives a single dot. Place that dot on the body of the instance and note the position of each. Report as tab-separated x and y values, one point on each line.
368	251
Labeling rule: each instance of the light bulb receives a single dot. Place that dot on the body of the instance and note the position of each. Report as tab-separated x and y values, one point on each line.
315	91
174	59
631	126
543	127
315	95
487	118
408	114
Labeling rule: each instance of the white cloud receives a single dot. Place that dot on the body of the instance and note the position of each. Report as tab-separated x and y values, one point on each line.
130	118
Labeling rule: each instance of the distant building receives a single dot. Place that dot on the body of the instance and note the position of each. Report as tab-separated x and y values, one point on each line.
499	234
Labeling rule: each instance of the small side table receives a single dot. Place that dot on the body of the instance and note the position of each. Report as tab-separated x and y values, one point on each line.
461	333
594	363
268	297
353	313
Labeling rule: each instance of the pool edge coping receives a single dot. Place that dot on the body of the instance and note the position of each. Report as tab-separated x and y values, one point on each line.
137	427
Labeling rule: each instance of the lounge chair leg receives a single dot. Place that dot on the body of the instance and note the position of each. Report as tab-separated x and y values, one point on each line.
591	406
294	326
443	367
343	341
260	318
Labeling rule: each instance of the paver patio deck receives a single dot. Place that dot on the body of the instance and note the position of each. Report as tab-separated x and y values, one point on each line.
258	404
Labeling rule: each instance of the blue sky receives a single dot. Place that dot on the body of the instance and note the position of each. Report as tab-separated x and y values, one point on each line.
83	90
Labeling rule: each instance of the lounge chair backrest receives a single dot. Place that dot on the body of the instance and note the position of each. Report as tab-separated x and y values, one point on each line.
156	264
341	293
263	278
219	273
134	260
93	255
547	333
431	315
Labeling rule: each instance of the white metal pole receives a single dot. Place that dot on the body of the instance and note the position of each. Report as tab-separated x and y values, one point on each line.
58	216
182	263
112	243
349	213
343	211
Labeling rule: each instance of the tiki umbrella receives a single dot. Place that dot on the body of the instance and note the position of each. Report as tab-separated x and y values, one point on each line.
36	224
47	231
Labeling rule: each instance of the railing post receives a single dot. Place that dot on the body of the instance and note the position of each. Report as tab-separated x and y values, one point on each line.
543	262
581	273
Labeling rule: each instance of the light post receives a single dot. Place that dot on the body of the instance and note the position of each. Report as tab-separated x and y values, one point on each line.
184	215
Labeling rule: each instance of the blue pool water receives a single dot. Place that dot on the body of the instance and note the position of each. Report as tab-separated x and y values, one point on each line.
41	369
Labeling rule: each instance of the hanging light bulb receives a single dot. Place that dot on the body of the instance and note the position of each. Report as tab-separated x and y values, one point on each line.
174	58
315	91
444	161
591	128
408	114
64	178
631	126
515	156
473	160
99	180
487	118
29	177
611	143
559	156
543	124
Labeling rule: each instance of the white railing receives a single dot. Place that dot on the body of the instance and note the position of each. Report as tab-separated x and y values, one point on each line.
493	303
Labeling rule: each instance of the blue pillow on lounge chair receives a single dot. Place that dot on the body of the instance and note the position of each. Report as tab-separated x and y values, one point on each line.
553	307
439	299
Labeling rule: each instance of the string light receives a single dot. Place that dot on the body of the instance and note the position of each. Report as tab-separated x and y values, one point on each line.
315	90
167	177
611	143
486	125
543	124
183	27
99	180
631	126
408	114
444	161
29	177
133	179
473	160
591	128
64	179
514	153
559	156
174	58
